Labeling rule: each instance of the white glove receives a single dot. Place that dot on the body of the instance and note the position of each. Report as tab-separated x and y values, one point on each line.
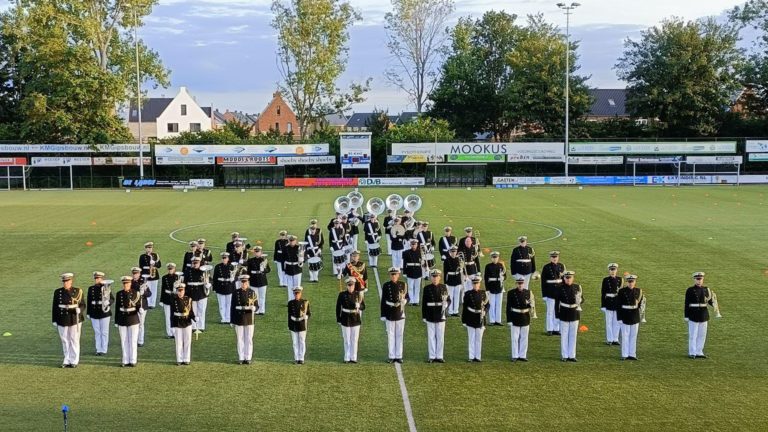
602	309
208	285
686	320
357	305
383	318
54	324
232	325
241	261
424	320
152	262
464	325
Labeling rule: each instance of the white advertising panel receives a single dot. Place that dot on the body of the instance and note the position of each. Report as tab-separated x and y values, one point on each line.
715	160
355	149
757	146
710	147
306	160
596	160
72	148
61	161
241	150
390	181
185	160
536	152
119	160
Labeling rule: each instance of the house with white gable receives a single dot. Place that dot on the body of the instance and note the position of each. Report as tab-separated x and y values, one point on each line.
168	117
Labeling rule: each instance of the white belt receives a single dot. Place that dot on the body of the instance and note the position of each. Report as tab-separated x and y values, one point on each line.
179	314
392	304
610	295
255	271
473	310
452	273
413	265
570	306
520	310
245	307
352	311
493	279
434	304
146	267
291	263
133	309
299	319
628	307
223	279
168	292
194	283
697	305
551	281
524	260
67	306
96	302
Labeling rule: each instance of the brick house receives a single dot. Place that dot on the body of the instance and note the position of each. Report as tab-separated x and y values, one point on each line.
277	116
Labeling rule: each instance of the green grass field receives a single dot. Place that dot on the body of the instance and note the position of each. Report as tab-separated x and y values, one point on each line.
661	234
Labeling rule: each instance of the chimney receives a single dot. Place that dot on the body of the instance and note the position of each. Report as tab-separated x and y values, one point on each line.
182	89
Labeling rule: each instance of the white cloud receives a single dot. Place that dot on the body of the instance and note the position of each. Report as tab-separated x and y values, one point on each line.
237	29
205	43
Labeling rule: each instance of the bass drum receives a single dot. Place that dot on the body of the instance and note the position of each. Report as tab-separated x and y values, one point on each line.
374	249
339	257
315	263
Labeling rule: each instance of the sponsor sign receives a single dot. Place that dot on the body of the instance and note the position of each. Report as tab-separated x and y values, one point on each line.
476	158
390	181
13	161
122	161
596	160
355	149
655	160
414	158
184	160
758	157
306	160
710	147
320	182
241	150
201	183
156	183
715	160
72	148
536	152
526	151
61	161
757	146
246	160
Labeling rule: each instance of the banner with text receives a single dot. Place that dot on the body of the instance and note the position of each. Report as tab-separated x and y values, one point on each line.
185	160
320	182
545	151
61	161
306	160
72	148
715	160
758	157
414	158
655	160
390	181
159	183
479	158
241	150
653	148
13	161
757	146
355	149
246	160
121	161
536	152
596	160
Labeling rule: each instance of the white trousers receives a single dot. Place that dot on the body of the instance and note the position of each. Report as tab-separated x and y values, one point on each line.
350	335
292	282
167	312
457	294
568	332
494	312
435	339
199	308
244	336
225	302
101	333
373	261
475	342
152	300
183	340
527	279
395	331
611	326
389	245
629	340
697	336
314	275
129	339
414	289
520	341
397	258
261	292
70	343
553	324
299	344
280	274
142	318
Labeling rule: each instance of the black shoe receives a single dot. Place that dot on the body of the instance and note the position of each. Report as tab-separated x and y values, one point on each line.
477	360
522	359
64	366
131	364
556	333
347	362
563	359
513	360
431	361
572	360
247	362
702	356
399	361
186	363
140	345
124	365
390	361
353	361
609	343
440	360
169	337
260	314
624	358
151	307
691	356
549	333
179	363
615	343
301	362
631	358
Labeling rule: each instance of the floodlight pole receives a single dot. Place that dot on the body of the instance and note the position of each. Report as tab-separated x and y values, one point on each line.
568	11
138	89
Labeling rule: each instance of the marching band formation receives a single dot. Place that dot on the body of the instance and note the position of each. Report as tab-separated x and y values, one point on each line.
240	282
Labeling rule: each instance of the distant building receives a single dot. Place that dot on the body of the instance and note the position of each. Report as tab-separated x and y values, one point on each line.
168	117
277	116
607	104
246	120
358	122
336	122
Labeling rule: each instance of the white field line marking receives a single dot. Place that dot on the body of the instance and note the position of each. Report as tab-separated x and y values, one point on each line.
406	399
378	281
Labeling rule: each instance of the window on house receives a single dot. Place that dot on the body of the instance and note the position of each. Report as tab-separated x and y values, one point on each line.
278	110
173	127
135	113
184	110
194	127
289	127
611	102
277	126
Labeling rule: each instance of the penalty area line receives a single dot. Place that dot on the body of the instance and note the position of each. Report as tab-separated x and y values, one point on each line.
406	399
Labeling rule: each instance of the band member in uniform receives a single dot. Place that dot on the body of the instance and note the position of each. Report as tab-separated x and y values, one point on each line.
628	310
471	248
348	308
568	301
353	217
519	303
127	306
188	255
67	316
183	315
293	261
453	280
608	292
434	306
357	270
426	238
258	267
224	286
389	220
412	265
205	253
445	243
494	275
338	243
140	285
280	243
523	261
245	302
411	233
348	246
697	298
394	297
315	242
167	294
100	299
372	232
406	219
149	262
298	314
397	242
231	245
551	278
239	254
198	290
473	318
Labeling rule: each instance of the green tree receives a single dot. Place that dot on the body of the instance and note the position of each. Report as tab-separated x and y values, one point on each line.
312	52
378	124
239	129
754	14
416	38
683	73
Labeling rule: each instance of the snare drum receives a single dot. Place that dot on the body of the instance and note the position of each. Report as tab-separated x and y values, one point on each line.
315	263
374	249
339	257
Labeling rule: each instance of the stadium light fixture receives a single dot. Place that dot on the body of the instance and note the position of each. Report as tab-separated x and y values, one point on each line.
568	10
